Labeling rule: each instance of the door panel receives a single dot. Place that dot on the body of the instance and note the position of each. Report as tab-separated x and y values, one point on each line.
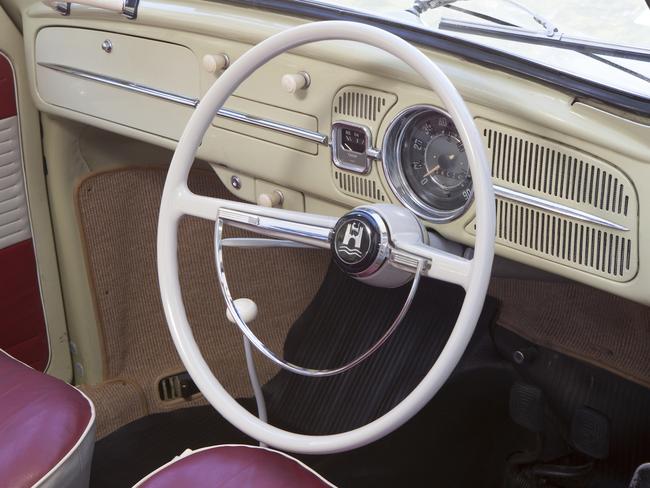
23	332
32	318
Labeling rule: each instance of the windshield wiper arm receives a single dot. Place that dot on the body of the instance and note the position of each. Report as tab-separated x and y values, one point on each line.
560	41
596	57
550	37
421	6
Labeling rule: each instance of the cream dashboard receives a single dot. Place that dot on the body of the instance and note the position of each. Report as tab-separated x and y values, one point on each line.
335	125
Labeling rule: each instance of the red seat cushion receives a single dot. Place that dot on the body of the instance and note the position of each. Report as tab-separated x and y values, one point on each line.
235	467
41	420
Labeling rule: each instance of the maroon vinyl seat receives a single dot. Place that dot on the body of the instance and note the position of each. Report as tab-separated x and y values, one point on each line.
47	429
234	466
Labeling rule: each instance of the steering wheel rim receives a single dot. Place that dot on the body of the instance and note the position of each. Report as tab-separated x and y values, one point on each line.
177	201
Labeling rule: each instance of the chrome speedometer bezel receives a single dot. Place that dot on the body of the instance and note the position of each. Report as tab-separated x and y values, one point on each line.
394	171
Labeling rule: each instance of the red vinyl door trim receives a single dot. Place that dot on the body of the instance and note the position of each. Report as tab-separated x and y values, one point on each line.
23	329
7	92
22	322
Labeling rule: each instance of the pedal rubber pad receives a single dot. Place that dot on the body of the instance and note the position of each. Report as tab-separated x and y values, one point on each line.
527	406
590	433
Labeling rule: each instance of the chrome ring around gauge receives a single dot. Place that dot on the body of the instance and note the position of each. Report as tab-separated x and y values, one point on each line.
425	164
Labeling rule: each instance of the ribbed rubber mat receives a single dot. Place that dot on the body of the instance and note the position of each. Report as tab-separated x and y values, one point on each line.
345	319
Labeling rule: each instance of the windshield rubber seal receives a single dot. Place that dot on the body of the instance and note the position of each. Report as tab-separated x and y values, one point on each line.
582	89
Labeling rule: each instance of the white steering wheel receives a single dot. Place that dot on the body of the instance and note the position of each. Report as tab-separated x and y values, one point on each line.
381	244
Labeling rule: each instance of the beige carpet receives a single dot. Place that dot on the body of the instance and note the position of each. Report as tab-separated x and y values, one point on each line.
119	213
580	321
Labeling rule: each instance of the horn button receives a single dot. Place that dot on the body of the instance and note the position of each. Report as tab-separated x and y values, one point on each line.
360	242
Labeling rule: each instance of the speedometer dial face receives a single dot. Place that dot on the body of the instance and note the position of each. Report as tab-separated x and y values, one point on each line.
426	164
434	162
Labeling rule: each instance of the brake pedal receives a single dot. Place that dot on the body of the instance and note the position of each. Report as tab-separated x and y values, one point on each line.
590	433
527	406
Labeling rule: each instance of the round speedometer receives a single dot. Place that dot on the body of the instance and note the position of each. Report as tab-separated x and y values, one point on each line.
426	164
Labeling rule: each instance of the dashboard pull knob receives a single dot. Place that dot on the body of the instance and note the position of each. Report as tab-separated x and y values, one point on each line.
246	308
273	199
296	81
215	62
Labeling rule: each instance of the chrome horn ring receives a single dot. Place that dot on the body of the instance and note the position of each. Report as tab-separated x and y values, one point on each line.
373	266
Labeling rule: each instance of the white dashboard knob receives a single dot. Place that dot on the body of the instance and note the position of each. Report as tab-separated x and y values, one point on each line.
215	62
246	308
273	199
294	82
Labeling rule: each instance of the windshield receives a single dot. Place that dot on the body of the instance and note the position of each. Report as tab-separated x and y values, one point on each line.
604	41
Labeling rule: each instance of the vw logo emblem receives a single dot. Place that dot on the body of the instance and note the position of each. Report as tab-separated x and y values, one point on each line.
355	243
352	241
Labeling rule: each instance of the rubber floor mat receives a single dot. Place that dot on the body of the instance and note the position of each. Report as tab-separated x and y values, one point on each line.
345	318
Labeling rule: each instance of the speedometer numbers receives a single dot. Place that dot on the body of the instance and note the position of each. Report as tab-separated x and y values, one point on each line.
434	162
426	164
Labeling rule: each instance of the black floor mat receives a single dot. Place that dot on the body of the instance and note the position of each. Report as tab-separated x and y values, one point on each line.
461	439
344	320
124	457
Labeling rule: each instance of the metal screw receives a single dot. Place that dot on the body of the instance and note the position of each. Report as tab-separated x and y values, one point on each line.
526	355
235	182
518	357
107	46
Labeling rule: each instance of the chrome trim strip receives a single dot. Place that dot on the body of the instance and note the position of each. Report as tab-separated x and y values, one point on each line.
406	261
311	235
291	130
261	242
557	208
118	83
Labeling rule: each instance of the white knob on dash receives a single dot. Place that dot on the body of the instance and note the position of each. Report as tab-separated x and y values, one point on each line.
273	199
296	81
246	308
215	62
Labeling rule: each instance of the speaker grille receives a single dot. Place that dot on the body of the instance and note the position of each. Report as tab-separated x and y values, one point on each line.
555	172
560	174
571	242
362	105
362	187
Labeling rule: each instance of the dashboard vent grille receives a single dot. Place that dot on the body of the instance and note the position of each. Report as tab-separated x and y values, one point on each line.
564	178
359	186
556	172
602	251
591	248
360	105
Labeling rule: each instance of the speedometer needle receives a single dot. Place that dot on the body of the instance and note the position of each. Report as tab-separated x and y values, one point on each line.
432	170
